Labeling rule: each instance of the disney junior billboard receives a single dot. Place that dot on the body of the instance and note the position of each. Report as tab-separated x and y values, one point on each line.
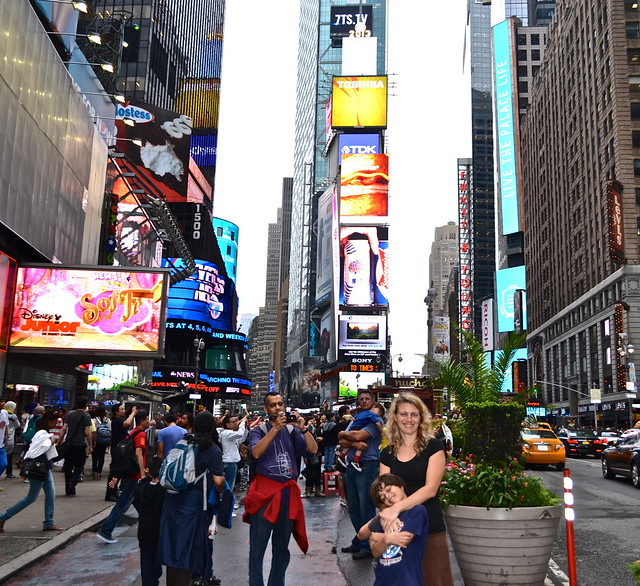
89	310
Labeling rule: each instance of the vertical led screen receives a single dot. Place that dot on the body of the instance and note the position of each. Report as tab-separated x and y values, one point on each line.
228	234
364	189
111	311
324	263
613	192
359	102
364	267
508	281
465	243
506	114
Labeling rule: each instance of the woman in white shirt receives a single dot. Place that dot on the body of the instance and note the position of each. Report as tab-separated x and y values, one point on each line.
41	447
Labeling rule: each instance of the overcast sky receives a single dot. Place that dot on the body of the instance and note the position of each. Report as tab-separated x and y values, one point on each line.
429	128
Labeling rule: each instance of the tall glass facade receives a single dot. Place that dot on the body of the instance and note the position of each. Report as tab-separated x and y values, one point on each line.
318	62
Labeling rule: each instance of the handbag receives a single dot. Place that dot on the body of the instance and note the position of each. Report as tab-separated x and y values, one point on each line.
35	469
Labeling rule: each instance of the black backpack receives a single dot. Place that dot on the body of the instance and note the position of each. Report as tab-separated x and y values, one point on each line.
124	463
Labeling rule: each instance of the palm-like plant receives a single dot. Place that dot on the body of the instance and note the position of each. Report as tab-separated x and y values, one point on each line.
488	427
476	380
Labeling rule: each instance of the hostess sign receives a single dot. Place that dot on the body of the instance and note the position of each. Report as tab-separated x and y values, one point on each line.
359	102
78	309
205	298
140	115
506	120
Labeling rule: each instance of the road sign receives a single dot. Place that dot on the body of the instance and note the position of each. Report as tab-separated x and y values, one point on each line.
196	396
596	395
630	395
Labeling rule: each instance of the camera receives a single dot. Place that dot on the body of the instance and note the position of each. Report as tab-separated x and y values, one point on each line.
291	417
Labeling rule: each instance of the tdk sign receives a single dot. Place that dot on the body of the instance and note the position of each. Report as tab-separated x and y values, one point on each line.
359	144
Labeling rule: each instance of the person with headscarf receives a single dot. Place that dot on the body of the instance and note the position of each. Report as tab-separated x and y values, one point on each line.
185	546
10	440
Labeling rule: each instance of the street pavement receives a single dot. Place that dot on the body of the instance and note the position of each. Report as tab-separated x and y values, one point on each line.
76	556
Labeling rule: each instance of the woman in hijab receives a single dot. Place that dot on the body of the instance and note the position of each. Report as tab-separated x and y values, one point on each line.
184	546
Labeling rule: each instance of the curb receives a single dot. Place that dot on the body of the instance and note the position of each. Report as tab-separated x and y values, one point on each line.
16	566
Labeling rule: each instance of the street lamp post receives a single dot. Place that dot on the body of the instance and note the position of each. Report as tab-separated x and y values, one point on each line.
625	350
199	346
429	300
595	414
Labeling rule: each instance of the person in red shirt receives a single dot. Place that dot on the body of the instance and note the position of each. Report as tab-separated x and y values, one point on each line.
129	484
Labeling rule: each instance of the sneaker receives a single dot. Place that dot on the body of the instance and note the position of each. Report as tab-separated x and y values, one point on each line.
10	477
343	503
102	537
356	466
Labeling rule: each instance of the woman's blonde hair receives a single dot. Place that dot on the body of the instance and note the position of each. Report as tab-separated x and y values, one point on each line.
425	433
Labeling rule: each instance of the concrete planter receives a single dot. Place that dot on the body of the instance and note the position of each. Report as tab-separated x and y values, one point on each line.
503	546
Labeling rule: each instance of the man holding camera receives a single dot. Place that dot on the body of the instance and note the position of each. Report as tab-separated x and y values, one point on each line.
273	505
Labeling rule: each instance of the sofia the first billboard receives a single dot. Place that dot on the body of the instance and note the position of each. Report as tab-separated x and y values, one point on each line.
114	312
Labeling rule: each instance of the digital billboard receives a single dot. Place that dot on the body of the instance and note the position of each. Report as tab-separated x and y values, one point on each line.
227	234
508	281
352	20
465	244
506	126
362	332
163	157
364	266
79	309
364	188
199	99
359	102
168	378
350	382
204	299
204	149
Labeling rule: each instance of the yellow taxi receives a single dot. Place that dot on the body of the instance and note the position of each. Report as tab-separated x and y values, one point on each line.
542	446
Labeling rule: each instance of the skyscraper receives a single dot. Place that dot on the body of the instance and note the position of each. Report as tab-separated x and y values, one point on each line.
318	61
443	257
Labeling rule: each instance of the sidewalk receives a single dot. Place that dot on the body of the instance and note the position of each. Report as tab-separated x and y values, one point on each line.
23	541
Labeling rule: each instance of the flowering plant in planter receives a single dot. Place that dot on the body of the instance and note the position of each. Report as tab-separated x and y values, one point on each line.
492	485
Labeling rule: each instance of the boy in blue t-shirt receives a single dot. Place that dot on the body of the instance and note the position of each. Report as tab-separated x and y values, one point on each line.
399	553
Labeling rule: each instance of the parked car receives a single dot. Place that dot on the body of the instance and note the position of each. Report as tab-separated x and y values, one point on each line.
581	442
623	459
542	446
609	436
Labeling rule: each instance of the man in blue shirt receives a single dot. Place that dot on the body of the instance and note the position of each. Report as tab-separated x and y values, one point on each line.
273	505
169	436
361	509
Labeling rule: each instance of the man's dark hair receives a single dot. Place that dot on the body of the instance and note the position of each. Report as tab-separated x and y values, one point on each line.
270	395
141	416
154	466
363	391
114	409
343	409
81	401
170	418
382	481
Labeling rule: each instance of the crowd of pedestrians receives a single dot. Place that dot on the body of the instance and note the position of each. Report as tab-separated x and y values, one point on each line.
388	474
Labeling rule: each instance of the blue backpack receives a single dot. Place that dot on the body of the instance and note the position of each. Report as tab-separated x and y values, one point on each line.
178	470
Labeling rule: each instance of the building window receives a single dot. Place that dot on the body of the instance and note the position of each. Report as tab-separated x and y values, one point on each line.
535	39
633	56
636	167
522	55
535	55
633	30
635	139
635	110
523	87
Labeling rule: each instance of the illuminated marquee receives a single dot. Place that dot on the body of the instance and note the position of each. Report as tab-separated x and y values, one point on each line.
465	244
